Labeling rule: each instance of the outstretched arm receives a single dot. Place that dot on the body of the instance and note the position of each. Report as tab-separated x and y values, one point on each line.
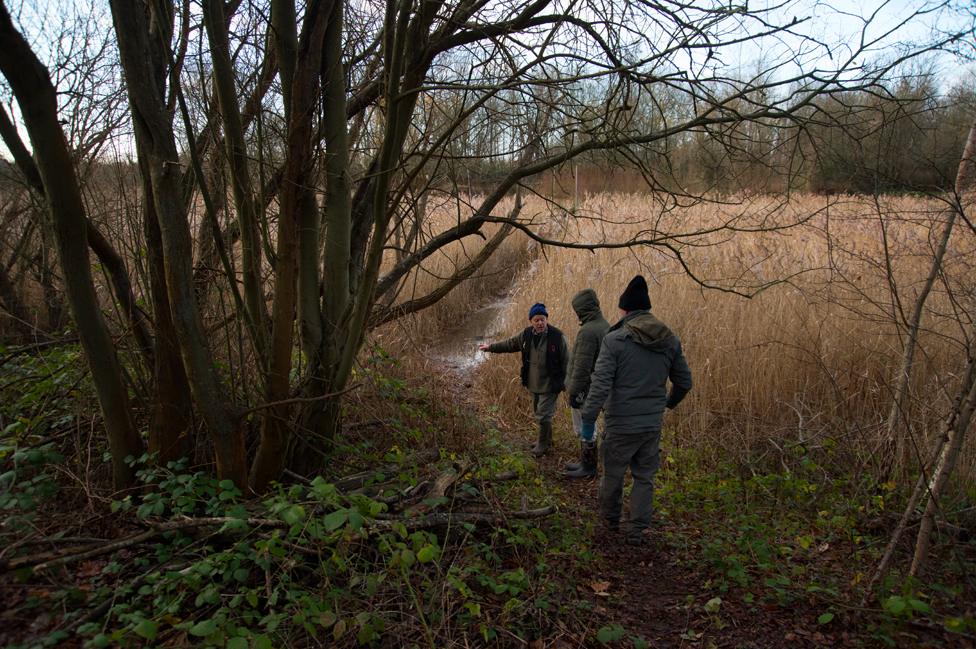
506	346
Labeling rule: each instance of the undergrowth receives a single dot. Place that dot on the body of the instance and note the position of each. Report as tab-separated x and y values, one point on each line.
807	535
327	562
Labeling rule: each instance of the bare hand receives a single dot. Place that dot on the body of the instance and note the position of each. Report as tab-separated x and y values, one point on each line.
483	347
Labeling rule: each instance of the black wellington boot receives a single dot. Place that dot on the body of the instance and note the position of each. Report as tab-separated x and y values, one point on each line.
575	466
544	443
588	468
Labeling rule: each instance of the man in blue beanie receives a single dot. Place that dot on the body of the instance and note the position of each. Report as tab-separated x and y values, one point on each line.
638	356
545	355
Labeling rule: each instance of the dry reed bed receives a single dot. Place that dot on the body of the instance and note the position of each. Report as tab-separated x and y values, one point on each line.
809	359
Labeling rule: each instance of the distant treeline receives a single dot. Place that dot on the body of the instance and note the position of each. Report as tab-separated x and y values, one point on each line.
905	139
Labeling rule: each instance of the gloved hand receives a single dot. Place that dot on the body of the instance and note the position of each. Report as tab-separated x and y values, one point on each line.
677	394
576	400
588	431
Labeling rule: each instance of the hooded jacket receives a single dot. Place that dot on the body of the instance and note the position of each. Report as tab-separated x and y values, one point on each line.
586	347
638	357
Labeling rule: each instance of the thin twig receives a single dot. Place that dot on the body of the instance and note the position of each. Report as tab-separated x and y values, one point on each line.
284	402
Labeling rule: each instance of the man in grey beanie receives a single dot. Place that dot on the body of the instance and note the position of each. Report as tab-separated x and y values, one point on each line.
638	357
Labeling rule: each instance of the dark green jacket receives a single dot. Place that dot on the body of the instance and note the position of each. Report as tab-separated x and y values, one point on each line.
586	347
637	359
537	376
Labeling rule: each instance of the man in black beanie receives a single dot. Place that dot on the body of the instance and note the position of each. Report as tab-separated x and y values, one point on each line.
637	358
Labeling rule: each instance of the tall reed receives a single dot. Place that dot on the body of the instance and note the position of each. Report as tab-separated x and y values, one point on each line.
807	360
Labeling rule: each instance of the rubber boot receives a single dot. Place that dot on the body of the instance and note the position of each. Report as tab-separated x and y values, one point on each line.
575	466
588	468
544	443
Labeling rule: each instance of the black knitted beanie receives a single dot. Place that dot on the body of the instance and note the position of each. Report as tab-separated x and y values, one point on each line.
635	297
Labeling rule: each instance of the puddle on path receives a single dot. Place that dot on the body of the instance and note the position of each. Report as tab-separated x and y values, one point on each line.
458	348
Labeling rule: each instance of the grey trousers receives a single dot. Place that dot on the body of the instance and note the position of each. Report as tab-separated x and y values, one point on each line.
642	453
544	406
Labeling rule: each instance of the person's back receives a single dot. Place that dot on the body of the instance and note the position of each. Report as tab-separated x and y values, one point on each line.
646	354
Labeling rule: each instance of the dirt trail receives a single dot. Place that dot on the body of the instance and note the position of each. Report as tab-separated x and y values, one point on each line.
653	592
650	591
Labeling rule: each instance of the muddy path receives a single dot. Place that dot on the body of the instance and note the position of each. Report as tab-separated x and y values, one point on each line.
457	352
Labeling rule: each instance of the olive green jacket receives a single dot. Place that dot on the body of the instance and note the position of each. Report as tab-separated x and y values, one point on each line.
586	347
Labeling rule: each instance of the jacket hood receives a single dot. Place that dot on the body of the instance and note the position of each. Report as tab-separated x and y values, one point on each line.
586	305
646	330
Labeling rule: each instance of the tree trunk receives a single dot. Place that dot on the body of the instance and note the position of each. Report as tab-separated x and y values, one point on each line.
153	123
946	463
295	197
338	206
171	415
35	94
237	158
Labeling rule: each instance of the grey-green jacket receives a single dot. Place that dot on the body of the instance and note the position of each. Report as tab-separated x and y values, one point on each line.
638	357
586	347
538	375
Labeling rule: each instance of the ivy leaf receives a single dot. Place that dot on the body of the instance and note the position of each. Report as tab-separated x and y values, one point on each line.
407	558
427	553
919	606
895	605
609	634
293	515
237	643
356	520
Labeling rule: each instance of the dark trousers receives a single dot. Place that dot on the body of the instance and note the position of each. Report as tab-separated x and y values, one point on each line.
642	454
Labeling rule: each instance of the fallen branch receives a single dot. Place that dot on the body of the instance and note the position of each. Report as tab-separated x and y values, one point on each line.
357	480
407	496
45	562
440	488
444	519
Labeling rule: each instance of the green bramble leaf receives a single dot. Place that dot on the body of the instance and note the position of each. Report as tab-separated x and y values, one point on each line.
147	629
204	628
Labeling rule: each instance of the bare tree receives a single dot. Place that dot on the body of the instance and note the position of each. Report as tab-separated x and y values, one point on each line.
36	95
935	471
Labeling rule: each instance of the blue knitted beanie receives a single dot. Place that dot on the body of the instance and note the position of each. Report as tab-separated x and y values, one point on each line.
538	309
